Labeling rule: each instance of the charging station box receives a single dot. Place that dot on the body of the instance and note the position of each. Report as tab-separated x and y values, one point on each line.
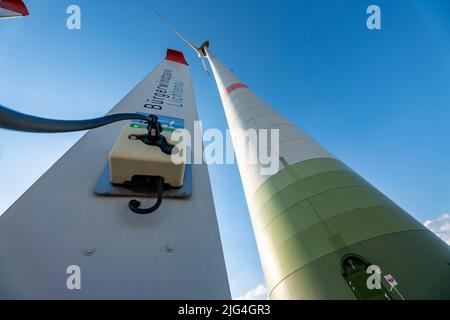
132	157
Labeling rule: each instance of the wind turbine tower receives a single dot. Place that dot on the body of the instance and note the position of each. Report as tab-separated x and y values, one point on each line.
321	229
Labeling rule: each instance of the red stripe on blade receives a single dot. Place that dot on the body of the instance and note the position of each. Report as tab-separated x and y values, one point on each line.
15	5
176	56
235	86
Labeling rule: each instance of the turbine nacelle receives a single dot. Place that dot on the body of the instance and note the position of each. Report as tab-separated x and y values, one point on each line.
201	52
201	49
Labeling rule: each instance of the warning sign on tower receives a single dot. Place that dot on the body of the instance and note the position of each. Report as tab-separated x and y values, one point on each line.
390	279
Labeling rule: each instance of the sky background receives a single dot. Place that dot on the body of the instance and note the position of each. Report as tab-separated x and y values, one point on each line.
379	100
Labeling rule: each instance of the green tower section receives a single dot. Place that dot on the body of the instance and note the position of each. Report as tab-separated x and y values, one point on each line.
313	215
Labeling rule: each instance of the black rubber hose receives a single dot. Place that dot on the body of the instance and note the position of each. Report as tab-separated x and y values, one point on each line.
12	120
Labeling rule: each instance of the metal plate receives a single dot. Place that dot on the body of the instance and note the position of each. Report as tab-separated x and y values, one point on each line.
104	187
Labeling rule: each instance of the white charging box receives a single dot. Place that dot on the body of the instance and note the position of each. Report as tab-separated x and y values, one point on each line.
130	157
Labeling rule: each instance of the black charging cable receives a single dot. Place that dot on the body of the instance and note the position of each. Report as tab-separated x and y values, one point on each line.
13	120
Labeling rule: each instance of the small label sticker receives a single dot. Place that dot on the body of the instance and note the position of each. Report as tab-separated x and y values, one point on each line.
390	279
168	123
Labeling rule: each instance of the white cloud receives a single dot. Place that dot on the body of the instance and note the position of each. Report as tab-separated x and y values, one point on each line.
259	293
441	227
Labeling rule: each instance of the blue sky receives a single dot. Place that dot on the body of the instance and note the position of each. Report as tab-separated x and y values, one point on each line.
379	100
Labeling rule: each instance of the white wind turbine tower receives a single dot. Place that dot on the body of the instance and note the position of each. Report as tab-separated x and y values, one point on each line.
318	224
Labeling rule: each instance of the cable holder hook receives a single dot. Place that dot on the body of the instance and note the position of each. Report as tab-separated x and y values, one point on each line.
134	205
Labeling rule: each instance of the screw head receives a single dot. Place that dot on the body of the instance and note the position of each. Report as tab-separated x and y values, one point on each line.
170	249
89	252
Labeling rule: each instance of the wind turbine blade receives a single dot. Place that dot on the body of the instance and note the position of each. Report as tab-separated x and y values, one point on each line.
204	65
174	30
12	9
